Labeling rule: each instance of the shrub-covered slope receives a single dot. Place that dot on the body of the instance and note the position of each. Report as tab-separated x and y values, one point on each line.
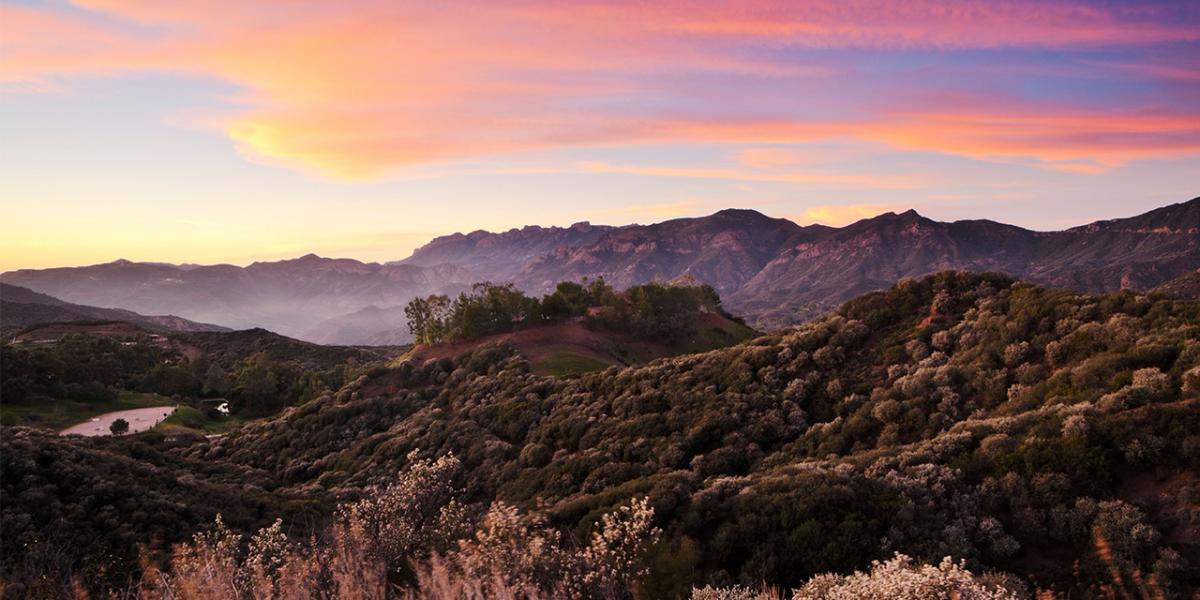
960	415
963	415
91	506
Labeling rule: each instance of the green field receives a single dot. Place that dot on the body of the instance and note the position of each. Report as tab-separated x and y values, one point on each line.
191	418
58	414
726	334
568	364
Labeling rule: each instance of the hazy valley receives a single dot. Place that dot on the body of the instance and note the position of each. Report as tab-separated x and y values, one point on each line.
771	272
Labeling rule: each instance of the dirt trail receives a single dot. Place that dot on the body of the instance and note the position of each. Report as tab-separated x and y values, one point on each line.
140	419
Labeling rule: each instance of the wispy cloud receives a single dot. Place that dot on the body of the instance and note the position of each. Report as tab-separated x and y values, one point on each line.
363	91
649	212
931	23
793	177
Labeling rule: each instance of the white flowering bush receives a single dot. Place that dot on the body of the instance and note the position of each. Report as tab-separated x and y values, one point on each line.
1152	380
1015	354
1191	382
369	539
903	579
614	556
736	592
208	567
415	523
413	514
1125	529
516	556
1075	427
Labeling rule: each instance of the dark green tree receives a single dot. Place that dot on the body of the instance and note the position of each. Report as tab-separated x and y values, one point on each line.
427	318
119	427
216	381
257	385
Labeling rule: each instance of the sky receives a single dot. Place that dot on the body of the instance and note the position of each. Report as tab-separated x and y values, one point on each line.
233	131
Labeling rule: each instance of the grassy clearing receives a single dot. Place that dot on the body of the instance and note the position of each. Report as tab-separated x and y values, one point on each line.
194	419
58	414
568	364
725	334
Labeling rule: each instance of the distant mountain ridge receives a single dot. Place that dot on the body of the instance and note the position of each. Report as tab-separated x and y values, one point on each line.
775	272
771	271
1136	253
1184	286
503	254
289	297
22	307
725	249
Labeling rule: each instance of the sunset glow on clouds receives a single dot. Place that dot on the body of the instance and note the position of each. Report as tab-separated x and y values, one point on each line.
817	106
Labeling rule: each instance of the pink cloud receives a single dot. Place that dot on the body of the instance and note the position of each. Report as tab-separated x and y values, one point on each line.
1053	134
931	23
790	176
359	91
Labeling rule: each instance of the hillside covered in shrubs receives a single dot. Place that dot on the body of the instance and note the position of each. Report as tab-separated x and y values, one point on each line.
1044	440
653	309
84	368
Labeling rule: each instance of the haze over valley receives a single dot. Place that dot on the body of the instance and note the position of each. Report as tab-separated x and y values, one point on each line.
773	272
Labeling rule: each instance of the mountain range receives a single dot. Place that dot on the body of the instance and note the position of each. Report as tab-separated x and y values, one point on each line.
21	307
771	271
291	297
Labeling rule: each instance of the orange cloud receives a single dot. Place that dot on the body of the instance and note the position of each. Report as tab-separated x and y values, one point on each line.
767	158
1075	140
839	216
360	91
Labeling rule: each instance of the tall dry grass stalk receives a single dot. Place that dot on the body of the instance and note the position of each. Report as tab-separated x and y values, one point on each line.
1137	586
412	531
1145	588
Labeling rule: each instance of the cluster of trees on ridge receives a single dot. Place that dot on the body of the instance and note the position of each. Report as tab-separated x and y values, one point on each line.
1045	434
650	310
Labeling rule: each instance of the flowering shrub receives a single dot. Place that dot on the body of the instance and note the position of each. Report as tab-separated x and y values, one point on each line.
1075	427
900	578
412	515
903	579
1191	381
512	556
414	524
736	592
